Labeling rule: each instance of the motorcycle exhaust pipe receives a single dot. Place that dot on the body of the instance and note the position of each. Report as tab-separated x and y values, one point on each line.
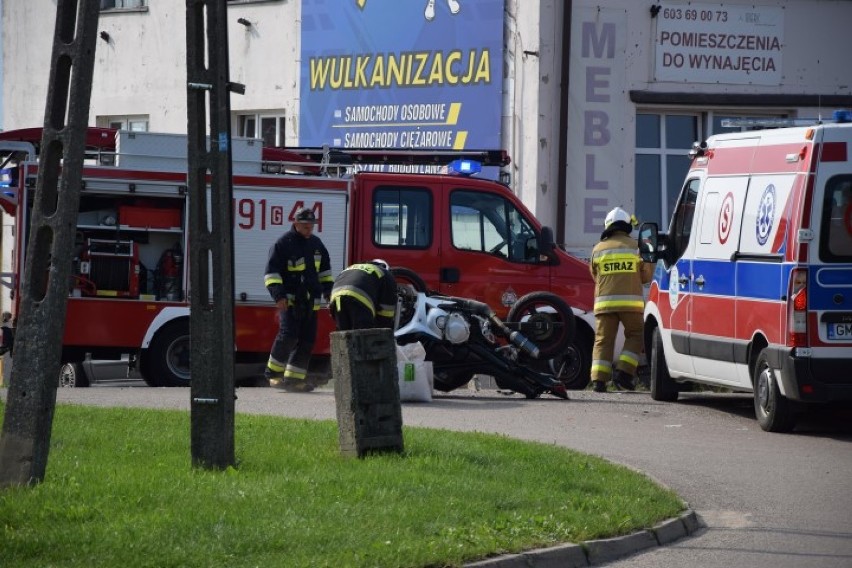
515	337
520	341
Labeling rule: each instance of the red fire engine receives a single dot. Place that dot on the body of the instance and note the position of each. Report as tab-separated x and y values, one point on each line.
460	235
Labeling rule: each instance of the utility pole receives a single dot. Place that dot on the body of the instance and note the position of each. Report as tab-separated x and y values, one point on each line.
211	230
31	401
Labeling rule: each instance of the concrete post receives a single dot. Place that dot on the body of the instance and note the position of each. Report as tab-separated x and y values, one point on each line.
366	389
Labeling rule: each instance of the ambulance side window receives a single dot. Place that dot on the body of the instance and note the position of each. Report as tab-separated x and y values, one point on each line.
836	234
402	217
681	226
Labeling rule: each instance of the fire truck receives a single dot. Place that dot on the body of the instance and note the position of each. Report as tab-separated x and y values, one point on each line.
446	230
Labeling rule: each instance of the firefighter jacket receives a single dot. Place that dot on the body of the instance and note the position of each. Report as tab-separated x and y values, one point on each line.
371	285
619	274
298	269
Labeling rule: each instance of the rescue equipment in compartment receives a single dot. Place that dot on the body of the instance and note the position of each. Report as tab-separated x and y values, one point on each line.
168	274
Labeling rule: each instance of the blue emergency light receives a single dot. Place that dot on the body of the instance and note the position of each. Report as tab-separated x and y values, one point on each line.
464	167
843	116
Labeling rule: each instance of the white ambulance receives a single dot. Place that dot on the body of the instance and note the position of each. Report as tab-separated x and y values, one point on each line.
753	288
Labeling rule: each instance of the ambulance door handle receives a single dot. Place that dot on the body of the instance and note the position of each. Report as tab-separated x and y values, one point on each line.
700	281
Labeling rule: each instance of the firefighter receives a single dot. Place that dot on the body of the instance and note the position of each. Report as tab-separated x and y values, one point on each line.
298	275
619	274
364	297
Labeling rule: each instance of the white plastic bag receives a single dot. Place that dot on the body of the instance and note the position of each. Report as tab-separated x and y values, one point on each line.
415	381
415	373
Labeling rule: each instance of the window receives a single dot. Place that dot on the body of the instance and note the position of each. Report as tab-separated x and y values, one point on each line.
113	4
269	127
488	223
402	217
681	226
663	141
662	161
135	123
836	234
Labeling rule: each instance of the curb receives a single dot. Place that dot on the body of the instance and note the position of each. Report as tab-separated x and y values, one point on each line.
596	552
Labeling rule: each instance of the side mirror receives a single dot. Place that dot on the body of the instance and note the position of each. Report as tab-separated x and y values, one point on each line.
649	242
545	241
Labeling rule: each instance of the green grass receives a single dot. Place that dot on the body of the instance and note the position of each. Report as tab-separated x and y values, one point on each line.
120	491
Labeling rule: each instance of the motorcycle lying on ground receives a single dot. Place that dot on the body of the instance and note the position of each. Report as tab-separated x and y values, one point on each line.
463	338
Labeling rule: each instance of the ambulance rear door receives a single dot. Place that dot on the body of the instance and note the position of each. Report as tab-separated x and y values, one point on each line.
830	270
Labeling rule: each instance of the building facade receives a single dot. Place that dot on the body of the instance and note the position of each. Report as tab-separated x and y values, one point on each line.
599	101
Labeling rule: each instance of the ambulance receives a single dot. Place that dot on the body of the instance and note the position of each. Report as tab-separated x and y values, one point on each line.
753	285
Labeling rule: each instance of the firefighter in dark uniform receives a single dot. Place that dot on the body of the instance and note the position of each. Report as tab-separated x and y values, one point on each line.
298	274
619	274
364	297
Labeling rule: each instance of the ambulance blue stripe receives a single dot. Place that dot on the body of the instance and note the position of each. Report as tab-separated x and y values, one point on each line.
762	280
757	280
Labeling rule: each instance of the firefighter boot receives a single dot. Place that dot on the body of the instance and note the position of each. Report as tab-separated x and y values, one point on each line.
275	378
600	386
623	380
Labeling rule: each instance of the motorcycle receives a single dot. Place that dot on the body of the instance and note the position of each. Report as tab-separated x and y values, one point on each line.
463	337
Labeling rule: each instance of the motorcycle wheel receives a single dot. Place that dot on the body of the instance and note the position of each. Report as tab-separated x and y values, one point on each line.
408	283
573	366
547	320
407	277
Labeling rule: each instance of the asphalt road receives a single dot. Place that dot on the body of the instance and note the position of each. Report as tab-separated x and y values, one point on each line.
768	500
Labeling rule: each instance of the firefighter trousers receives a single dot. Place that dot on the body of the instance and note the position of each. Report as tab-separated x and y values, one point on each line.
291	351
349	313
606	330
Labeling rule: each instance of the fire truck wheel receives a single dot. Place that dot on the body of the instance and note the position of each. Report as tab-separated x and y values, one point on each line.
774	412
663	388
168	355
546	320
407	277
72	375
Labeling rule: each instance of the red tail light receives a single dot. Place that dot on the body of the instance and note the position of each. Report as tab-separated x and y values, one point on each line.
797	309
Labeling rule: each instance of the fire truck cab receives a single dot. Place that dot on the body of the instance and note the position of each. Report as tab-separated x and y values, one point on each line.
753	290
445	230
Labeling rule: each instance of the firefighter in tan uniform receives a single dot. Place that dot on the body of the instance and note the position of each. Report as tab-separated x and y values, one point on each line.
619	274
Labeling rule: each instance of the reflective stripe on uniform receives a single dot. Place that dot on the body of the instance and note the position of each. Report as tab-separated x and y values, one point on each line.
272	278
274	365
297	265
325	275
619	302
356	293
386	311
602	367
294	372
630	358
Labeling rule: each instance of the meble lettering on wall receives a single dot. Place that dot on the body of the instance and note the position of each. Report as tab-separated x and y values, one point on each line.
598	43
719	43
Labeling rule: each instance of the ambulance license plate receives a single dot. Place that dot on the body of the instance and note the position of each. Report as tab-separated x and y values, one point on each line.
840	331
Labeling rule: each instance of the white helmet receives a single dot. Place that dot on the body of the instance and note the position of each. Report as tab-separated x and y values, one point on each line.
381	263
618	214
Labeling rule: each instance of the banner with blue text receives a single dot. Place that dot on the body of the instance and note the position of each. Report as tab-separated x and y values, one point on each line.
420	74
